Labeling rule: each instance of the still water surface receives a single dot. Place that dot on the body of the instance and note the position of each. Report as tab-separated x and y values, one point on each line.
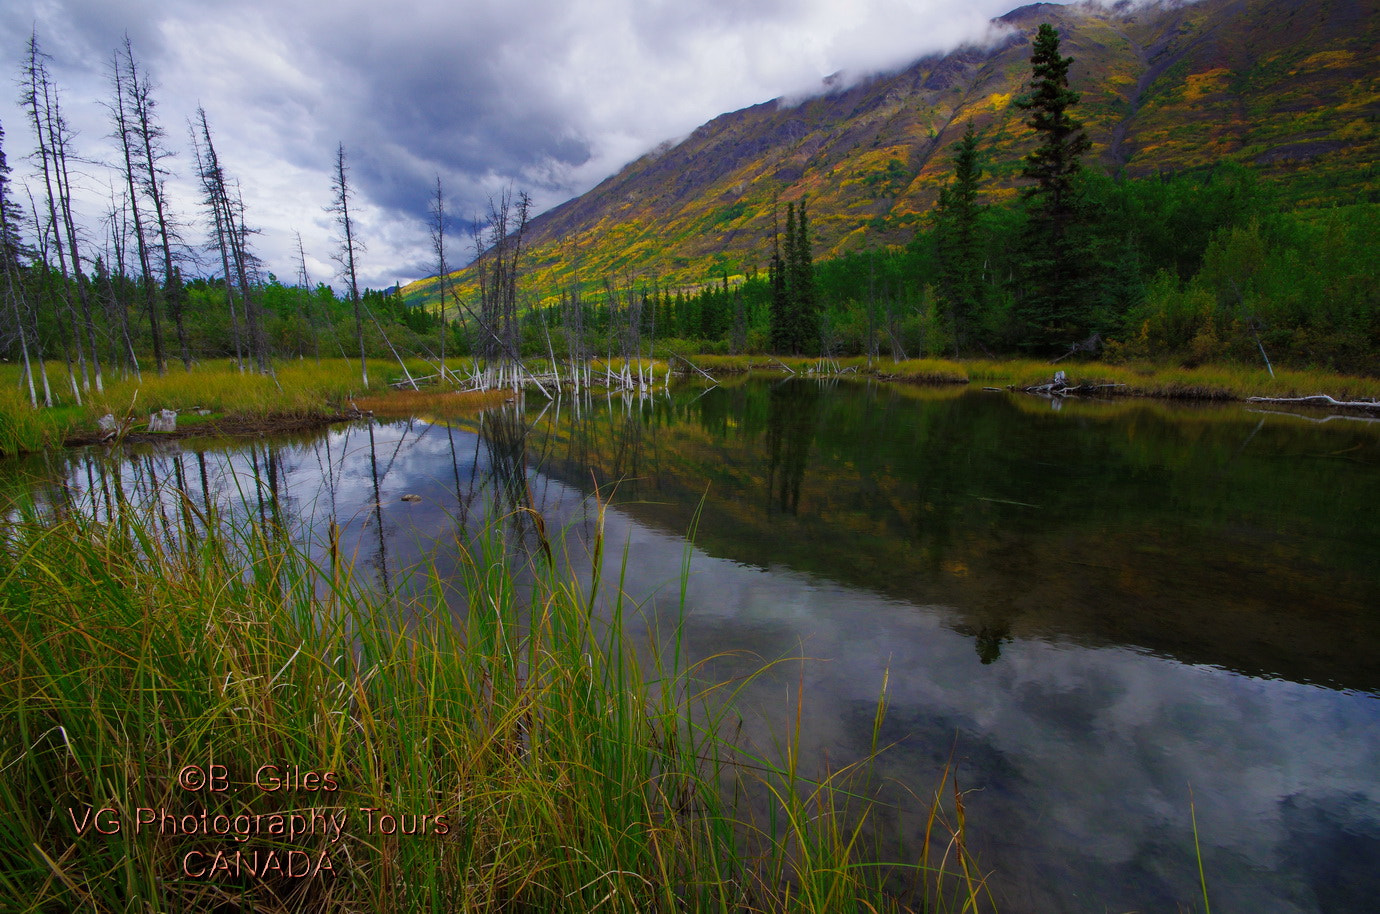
1101	613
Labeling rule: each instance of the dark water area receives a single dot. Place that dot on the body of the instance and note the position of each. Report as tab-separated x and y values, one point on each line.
1113	618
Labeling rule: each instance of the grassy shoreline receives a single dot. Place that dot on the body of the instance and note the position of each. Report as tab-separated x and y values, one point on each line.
1207	382
306	394
167	701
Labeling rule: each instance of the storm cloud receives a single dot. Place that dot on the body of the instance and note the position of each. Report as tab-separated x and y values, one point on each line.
543	96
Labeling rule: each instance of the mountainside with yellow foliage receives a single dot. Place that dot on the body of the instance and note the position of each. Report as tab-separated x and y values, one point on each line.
1288	88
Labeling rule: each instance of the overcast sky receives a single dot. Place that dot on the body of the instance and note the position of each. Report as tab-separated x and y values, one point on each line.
547	96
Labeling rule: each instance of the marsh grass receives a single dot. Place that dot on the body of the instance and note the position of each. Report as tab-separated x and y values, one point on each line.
305	390
297	390
432	401
24	429
569	778
1207	382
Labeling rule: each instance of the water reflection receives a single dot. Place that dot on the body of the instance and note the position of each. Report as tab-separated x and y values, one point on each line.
1094	612
989	642
793	409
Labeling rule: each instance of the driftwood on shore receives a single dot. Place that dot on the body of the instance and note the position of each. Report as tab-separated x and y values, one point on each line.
681	358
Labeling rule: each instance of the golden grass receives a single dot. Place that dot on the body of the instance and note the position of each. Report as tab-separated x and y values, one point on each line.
940	371
299	388
432	401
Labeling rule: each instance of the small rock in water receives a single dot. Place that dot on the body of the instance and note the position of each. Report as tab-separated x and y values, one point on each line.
412	498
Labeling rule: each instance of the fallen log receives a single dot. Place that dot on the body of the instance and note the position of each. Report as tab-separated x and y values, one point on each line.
1059	386
692	365
1321	400
1344	417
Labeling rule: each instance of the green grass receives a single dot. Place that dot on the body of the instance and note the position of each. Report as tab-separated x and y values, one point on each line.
24	429
570	778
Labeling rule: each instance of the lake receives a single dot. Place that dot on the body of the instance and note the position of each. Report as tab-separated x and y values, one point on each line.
1113	620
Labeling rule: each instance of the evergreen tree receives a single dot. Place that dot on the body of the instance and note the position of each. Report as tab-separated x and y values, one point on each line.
11	254
12	251
794	300
1052	297
779	307
959	240
802	286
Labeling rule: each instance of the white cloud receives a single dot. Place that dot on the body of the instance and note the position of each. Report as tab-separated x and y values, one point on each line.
548	96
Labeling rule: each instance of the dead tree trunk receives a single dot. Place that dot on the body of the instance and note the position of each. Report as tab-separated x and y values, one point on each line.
213	185
123	132
149	152
349	246
40	98
438	246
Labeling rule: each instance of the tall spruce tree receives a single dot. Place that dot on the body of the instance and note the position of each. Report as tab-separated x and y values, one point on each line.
1052	297
11	253
802	282
12	250
780	308
959	241
794	300
790	331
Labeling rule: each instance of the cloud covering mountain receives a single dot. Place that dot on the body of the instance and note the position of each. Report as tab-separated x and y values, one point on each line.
542	95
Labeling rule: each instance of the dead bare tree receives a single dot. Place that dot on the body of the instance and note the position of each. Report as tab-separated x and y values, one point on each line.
123	133
227	219
573	320
438	246
29	304
506	230
213	187
349	247
41	98
304	284
115	284
498	251
149	153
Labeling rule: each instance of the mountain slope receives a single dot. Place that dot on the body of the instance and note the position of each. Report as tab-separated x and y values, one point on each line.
1287	87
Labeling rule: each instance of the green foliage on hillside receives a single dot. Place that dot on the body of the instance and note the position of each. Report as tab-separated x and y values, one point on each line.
1189	268
1189	220
1285	88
